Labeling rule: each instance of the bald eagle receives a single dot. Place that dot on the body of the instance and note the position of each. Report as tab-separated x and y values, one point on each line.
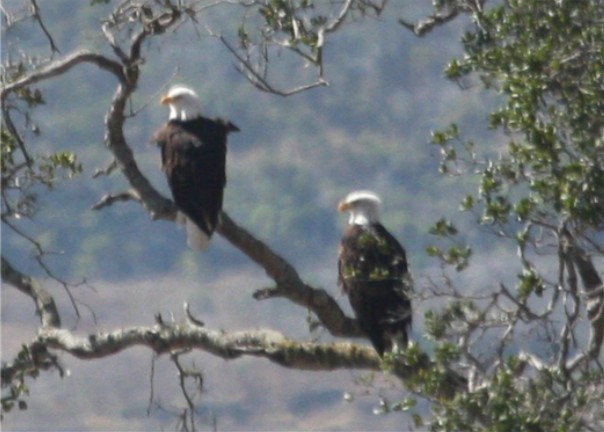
193	153
372	271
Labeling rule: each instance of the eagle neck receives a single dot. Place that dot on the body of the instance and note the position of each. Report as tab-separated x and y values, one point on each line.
185	113
362	219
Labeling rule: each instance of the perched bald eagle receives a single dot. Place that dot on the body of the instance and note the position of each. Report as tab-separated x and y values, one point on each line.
372	271
193	153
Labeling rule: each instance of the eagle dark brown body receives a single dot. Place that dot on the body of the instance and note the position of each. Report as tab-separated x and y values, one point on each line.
193	156
372	271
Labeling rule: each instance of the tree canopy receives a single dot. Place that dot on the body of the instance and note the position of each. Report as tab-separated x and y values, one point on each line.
330	96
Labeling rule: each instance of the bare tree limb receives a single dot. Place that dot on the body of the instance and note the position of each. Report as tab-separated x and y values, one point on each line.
167	337
188	416
289	283
260	82
37	16
105	171
426	25
594	292
109	199
59	67
45	304
158	206
41	253
264	343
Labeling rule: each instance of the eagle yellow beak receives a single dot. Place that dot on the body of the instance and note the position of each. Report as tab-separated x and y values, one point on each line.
343	206
165	100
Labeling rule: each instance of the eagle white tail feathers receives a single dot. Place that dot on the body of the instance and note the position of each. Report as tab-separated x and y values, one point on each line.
196	238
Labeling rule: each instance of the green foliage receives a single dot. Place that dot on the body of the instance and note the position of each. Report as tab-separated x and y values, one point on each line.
443	228
459	315
22	172
297	20
8	147
17	388
454	152
50	165
550	78
545	61
458	254
507	403
529	282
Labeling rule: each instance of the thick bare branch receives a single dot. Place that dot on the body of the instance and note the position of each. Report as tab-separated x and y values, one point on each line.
45	304
164	338
158	206
594	291
264	343
61	66
578	261
289	283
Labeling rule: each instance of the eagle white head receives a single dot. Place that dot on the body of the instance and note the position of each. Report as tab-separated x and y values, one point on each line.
363	206
183	102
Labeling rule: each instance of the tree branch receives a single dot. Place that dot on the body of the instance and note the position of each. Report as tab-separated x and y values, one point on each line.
109	199
264	343
61	66
289	283
163	338
36	14
45	304
425	26
262	83
594	291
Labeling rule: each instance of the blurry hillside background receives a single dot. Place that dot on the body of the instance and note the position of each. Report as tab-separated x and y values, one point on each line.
293	160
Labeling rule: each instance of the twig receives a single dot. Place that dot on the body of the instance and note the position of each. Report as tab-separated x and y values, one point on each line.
183	374
38	18
423	27
110	199
191	318
105	171
260	82
41	253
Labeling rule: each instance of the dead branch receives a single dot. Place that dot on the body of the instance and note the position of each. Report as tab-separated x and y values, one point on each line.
426	25
289	283
45	304
594	293
168	337
61	66
38	17
105	171
110	199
